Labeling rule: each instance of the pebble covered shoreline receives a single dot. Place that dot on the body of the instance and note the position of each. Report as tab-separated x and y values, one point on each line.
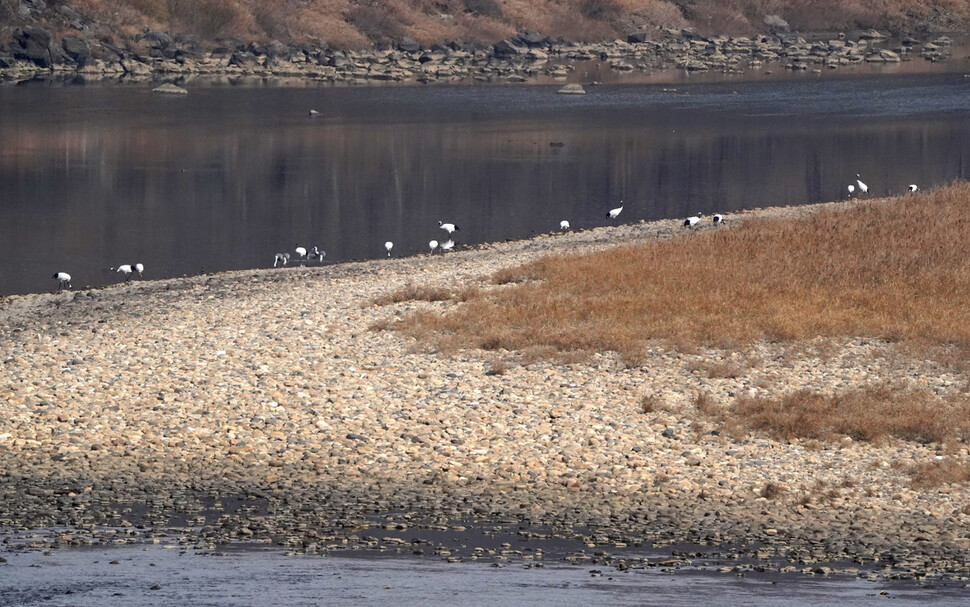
260	405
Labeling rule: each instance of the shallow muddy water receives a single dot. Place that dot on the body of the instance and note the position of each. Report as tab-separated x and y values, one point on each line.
134	576
97	176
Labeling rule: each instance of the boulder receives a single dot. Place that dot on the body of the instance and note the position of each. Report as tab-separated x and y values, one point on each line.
170	89
156	39
33	44
462	46
78	50
408	45
572	89
531	38
244	59
638	37
271	49
505	48
871	35
775	23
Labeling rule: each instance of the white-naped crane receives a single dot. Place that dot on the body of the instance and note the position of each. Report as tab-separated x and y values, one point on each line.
63	280
281	259
316	254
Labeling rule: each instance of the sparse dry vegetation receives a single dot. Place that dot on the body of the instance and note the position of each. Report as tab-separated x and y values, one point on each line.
891	269
359	23
868	414
413	292
930	475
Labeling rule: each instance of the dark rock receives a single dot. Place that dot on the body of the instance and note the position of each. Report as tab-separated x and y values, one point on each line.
425	58
159	40
34	52
339	61
115	52
638	37
531	38
78	50
36	33
33	44
462	46
5	61
272	49
439	48
505	48
408	45
243	59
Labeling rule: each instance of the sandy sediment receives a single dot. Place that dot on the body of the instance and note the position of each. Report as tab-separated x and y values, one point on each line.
260	405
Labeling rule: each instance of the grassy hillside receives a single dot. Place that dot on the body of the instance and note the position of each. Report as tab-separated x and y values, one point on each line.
361	23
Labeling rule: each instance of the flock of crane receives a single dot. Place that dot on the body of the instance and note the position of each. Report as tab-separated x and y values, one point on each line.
316	254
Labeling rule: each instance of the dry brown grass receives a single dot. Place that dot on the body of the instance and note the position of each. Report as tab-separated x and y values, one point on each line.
413	292
893	269
940	472
356	23
869	414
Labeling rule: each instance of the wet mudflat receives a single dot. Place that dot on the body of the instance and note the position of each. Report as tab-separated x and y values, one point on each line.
134	576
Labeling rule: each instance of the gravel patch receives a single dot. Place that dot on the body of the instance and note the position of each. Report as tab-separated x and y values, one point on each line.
257	405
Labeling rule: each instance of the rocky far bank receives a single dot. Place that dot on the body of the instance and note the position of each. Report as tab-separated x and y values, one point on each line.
155	55
266	406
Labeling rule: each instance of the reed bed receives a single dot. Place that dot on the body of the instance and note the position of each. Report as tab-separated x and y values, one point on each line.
894	269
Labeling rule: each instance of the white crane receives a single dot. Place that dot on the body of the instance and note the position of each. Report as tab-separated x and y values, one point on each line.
449	227
447	246
388	245
851	189
124	269
718	218
692	221
913	187
63	280
612	214
140	270
433	244
863	188
301	251
564	225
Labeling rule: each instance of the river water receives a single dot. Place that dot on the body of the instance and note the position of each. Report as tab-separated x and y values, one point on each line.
96	176
147	577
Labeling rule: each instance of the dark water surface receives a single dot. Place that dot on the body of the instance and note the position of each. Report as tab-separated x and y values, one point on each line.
96	176
136	577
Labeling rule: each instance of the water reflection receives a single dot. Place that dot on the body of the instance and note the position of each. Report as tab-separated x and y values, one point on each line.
92	177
